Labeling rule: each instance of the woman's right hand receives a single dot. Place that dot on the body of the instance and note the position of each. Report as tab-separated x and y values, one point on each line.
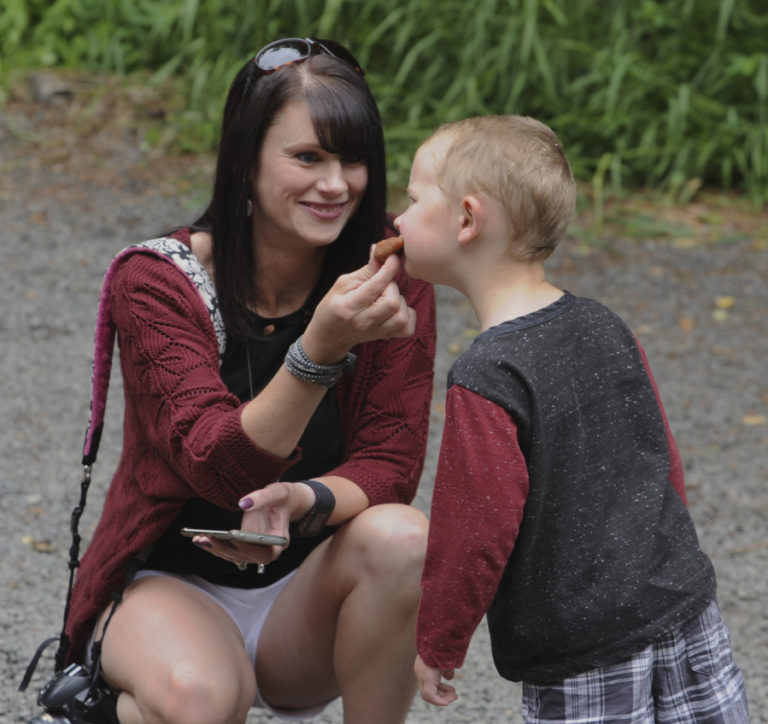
361	306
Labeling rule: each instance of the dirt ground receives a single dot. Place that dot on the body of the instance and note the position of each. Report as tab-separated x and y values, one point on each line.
79	182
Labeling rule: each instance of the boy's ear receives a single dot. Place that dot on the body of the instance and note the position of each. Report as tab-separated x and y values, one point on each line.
471	219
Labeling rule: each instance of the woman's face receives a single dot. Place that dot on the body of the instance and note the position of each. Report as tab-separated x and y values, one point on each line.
302	193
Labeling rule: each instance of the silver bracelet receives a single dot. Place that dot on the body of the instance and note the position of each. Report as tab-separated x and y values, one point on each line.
302	367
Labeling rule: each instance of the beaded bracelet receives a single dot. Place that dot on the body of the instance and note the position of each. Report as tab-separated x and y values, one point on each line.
302	367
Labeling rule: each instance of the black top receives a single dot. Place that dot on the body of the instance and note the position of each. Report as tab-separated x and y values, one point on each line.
247	366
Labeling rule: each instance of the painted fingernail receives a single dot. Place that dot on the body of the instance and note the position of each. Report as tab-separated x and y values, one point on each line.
203	543
245	504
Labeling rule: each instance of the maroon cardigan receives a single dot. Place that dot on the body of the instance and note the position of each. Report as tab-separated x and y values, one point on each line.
182	436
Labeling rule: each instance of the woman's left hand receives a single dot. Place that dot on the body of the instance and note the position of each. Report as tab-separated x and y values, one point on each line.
268	510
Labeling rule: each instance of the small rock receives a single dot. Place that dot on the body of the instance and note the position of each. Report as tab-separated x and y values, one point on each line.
48	89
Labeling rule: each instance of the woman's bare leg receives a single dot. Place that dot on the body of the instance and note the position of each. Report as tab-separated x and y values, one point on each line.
177	656
346	622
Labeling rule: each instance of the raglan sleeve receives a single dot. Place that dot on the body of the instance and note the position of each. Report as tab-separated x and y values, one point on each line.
479	493
676	474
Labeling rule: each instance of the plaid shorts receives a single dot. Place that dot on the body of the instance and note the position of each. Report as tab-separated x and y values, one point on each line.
687	677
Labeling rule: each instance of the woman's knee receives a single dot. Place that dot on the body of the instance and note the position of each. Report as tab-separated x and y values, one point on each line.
392	541
178	655
195	695
198	696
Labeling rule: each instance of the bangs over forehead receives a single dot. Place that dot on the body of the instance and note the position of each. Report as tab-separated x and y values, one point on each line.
342	117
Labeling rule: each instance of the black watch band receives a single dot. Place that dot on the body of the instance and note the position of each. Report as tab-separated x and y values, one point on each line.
313	522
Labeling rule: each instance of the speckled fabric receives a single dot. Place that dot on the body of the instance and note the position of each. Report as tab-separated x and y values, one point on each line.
572	503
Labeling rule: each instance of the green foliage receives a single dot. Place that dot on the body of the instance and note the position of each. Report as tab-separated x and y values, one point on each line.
641	92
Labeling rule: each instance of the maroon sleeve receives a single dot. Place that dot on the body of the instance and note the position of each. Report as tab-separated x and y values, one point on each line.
477	507
385	406
177	405
676	476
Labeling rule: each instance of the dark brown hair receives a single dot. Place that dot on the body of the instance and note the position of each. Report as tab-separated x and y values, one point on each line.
347	123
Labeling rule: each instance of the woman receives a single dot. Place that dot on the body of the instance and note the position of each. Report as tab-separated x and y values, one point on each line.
282	438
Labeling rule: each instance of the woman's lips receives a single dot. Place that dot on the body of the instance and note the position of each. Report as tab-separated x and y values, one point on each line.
325	211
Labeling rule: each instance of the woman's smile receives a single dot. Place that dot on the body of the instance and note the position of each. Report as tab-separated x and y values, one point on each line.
325	211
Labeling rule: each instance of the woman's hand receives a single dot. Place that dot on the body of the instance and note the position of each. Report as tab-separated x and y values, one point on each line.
268	510
361	306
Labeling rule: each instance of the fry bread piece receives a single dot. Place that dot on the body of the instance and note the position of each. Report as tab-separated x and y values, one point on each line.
387	247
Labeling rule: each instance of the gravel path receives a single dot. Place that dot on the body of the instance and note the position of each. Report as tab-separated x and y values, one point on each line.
699	310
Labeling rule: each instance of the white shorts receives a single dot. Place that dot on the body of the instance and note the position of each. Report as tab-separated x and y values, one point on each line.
248	608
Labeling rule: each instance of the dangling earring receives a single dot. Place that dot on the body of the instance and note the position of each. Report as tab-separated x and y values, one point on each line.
248	207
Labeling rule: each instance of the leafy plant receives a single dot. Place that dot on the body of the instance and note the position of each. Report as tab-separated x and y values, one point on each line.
641	92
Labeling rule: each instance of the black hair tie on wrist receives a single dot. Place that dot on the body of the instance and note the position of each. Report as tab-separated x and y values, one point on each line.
313	522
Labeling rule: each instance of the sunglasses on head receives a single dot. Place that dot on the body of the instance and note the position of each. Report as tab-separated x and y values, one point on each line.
290	51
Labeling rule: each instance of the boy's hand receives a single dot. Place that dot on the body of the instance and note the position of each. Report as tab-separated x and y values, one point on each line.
431	688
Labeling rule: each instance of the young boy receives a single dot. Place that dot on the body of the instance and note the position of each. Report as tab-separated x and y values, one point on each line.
559	503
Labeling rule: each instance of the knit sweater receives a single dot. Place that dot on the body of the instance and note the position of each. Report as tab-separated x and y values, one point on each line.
182	436
558	506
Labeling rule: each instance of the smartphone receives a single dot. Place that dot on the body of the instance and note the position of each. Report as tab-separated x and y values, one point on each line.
262	539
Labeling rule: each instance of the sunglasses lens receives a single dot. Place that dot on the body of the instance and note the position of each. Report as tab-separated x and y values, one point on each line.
293	50
282	52
336	49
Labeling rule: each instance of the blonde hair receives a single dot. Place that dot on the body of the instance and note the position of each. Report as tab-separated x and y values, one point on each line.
519	162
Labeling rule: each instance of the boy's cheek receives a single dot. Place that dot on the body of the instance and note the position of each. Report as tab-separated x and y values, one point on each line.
411	269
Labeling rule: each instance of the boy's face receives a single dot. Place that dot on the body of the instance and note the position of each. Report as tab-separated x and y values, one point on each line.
430	224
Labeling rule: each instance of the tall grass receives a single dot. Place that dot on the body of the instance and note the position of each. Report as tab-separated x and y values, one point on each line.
642	92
